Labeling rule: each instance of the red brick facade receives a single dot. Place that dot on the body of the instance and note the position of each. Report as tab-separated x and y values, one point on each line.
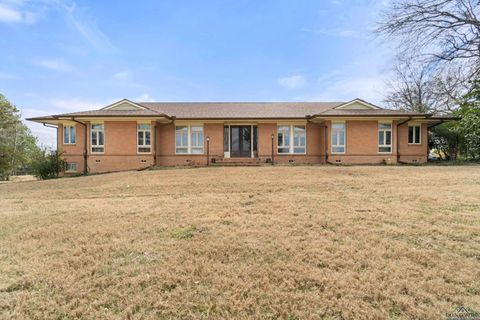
120	145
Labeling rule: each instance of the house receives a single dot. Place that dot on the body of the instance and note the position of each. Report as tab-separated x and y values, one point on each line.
131	135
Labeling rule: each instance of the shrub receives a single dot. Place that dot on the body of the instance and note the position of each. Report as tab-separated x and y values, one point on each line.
48	165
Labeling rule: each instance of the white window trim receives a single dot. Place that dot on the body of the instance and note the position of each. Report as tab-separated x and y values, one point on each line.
413	126
385	137
97	145
69	135
70	170
144	145
291	146
344	136
189	139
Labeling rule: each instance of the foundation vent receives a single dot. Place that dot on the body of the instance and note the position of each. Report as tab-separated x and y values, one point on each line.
338	161
143	161
291	161
97	161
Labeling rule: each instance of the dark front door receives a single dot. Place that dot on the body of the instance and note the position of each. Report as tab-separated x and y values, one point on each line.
241	141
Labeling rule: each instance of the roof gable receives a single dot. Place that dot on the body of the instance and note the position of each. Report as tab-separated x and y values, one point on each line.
124	105
357	104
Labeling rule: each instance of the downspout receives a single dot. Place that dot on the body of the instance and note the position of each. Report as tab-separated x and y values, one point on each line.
85	151
157	125
398	136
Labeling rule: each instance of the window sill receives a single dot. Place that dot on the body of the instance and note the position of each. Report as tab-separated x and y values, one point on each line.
415	144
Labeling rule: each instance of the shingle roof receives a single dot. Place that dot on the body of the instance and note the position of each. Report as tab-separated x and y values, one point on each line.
367	112
234	110
240	110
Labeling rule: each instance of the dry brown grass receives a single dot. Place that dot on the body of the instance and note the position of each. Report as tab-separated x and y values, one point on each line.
264	243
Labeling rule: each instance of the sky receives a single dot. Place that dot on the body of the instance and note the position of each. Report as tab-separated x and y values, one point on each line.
62	56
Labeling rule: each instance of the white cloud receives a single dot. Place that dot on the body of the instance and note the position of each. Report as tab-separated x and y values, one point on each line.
293	82
87	27
55	65
121	76
144	98
17	12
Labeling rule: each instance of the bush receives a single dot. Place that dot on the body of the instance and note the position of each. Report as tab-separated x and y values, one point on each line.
48	165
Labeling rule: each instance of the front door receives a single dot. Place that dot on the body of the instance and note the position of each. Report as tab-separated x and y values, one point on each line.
240	141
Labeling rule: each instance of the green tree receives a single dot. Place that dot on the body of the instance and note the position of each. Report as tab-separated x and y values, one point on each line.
468	127
17	145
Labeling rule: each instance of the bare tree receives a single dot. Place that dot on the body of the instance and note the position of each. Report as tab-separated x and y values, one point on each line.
435	30
424	88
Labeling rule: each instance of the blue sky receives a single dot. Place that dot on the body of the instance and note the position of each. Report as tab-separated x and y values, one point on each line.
62	56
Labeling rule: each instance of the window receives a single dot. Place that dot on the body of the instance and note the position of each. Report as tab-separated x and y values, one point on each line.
196	139
283	134
384	137
291	139
189	139
144	144
338	137
69	135
414	135
299	136
97	138
70	167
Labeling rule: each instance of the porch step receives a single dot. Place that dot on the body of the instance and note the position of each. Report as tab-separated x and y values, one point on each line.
232	162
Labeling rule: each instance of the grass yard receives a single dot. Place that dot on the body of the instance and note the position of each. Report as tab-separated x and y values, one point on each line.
260	242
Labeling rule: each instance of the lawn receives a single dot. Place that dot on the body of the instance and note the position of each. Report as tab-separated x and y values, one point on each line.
260	242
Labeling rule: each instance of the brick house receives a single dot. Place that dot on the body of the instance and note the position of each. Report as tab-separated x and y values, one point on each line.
128	135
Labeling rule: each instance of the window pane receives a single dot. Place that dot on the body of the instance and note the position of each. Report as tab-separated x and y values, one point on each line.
97	126
226	138
338	149
147	138
338	126
384	149
381	138
94	138
299	136
384	126
143	126
299	150
342	138
283	150
388	138
410	134
194	139
280	139
417	134
197	150
181	150
73	135
140	138
65	135
97	149
144	149
334	138
100	138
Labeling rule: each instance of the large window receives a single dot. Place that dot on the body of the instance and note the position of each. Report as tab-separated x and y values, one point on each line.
291	139
69	135
189	139
144	143
338	137
384	137
414	135
97	138
283	134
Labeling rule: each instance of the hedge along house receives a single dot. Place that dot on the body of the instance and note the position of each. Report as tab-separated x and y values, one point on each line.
128	135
